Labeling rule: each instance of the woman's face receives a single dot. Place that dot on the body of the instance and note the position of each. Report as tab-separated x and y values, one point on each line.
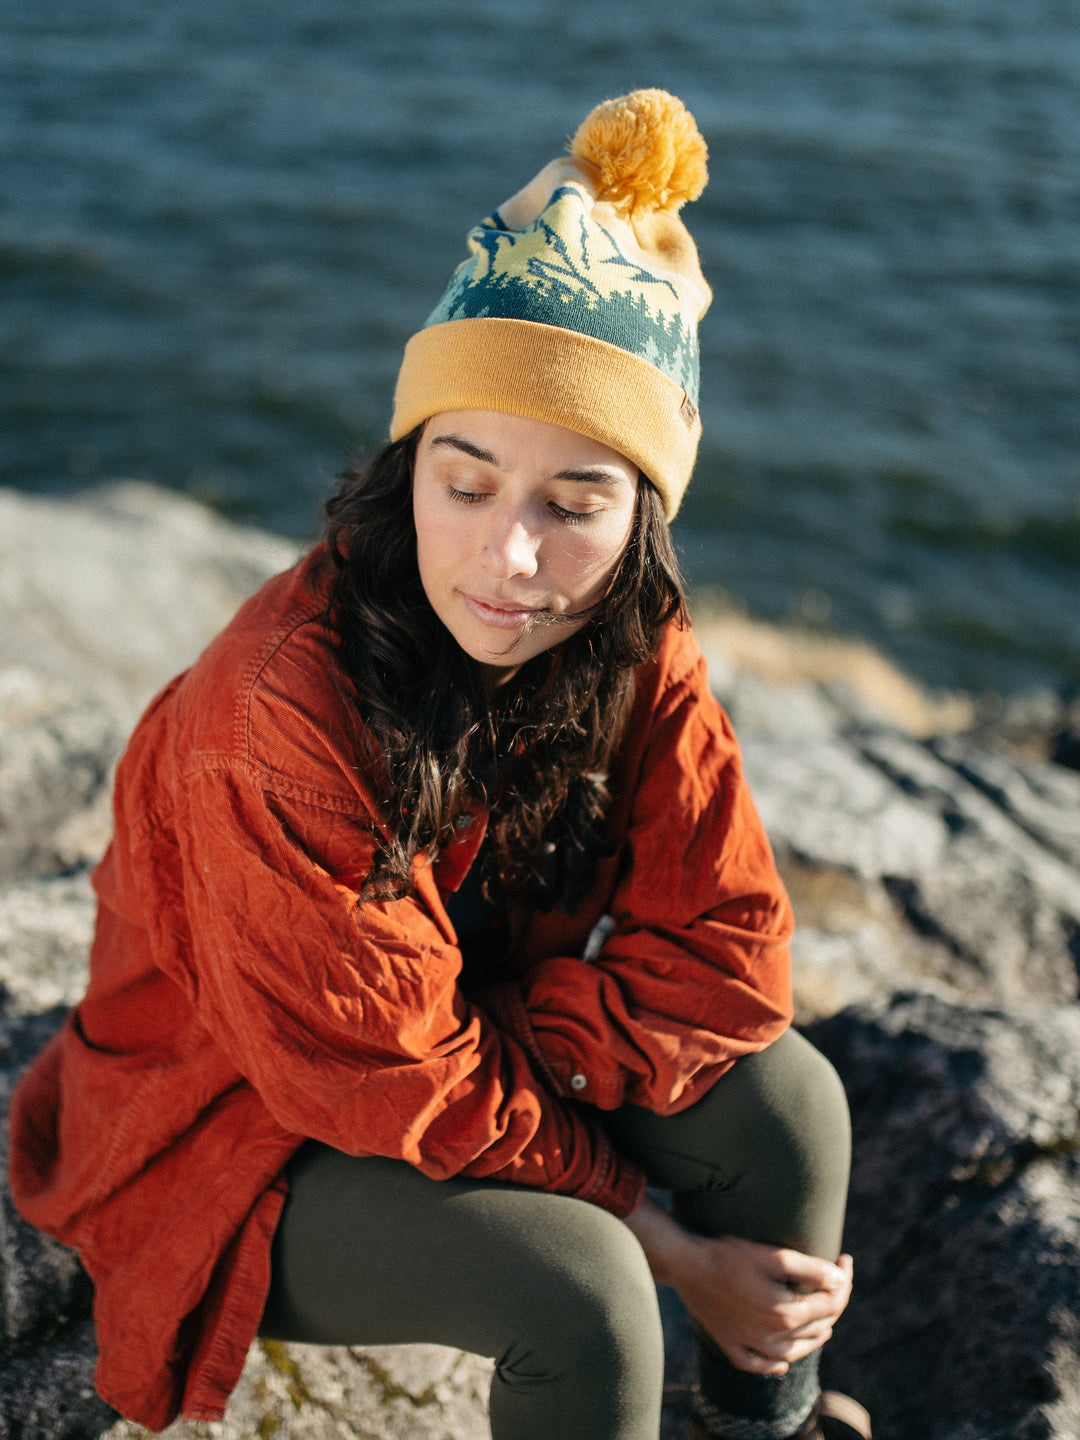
520	527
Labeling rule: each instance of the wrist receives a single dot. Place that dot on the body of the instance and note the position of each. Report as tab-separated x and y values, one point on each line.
667	1246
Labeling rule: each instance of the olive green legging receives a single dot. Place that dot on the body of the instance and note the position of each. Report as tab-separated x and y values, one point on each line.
369	1251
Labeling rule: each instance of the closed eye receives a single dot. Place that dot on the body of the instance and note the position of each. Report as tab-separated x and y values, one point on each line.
466	497
570	517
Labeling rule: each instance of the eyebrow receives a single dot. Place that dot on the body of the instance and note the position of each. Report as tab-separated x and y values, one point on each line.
458	442
589	475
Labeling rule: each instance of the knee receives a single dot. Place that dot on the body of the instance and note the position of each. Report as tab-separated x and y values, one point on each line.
805	1068
601	1315
803	1091
593	1351
778	1132
810	1141
786	1099
779	1105
607	1292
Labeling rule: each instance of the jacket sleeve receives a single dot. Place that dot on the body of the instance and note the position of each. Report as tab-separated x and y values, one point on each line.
695	970
348	1020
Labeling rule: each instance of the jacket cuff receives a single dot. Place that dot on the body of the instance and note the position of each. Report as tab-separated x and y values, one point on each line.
618	1184
505	1006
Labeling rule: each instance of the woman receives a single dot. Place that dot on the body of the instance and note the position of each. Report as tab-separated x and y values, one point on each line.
438	919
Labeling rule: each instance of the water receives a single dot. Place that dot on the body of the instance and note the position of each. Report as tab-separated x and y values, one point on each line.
220	223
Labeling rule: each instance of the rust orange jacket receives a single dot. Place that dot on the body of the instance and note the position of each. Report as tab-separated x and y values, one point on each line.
240	999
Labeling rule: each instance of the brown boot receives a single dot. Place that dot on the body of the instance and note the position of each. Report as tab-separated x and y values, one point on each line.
839	1417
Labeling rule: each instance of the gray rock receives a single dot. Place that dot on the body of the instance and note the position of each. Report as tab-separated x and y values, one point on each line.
382	1392
793	712
976	852
55	771
964	1218
998	896
47	1349
826	804
113	591
50	1394
45	932
954	783
838	966
103	598
1029	725
1042	799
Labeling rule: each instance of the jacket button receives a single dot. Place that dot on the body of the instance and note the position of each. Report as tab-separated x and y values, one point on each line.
578	1081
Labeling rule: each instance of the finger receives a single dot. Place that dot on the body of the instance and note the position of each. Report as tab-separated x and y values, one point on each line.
813	1309
785	1350
754	1361
808	1272
803	1348
784	1344
776	1343
805	1340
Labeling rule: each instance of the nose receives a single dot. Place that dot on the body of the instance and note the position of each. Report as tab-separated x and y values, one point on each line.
510	548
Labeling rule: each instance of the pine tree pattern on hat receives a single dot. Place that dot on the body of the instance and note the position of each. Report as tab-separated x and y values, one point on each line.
568	268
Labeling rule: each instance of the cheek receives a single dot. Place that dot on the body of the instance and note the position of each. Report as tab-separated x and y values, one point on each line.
438	539
430	551
592	563
594	571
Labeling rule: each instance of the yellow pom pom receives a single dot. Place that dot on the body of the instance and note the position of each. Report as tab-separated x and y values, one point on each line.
646	150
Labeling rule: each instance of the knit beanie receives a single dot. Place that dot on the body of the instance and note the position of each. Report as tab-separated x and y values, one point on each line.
580	298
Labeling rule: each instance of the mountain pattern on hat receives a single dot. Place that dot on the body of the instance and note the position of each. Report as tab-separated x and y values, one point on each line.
567	268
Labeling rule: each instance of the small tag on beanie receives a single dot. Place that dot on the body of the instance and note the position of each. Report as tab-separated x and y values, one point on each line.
689	411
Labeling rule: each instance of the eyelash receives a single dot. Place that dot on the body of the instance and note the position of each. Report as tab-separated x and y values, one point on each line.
473	497
570	517
466	497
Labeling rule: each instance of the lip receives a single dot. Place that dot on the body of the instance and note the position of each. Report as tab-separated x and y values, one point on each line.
497	613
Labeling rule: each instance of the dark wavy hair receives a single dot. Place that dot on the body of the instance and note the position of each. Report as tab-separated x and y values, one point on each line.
537	750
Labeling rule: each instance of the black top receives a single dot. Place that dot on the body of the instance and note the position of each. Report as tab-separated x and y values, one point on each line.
482	928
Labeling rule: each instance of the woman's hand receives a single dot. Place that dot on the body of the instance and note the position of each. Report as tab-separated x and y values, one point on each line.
763	1305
